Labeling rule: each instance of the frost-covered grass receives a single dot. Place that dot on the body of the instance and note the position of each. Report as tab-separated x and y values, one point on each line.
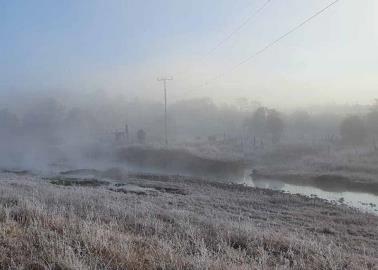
204	226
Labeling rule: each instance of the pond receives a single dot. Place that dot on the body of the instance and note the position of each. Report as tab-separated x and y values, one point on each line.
364	201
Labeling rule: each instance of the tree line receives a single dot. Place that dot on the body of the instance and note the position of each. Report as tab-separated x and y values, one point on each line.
351	129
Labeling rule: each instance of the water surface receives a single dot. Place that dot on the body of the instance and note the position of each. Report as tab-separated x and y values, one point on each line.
364	201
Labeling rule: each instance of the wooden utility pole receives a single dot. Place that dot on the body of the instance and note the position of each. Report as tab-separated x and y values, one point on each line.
164	80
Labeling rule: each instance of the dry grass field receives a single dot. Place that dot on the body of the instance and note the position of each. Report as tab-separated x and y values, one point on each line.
167	222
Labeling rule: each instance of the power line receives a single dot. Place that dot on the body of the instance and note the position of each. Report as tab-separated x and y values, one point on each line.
233	32
286	34
239	27
269	45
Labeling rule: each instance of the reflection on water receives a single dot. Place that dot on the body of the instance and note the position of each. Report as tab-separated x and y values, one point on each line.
363	201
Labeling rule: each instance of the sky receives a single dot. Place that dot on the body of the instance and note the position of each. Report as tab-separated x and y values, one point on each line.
73	47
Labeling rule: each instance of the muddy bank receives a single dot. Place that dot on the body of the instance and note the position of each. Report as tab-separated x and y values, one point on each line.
178	161
326	182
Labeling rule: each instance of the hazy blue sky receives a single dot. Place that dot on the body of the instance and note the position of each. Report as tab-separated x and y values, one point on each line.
122	46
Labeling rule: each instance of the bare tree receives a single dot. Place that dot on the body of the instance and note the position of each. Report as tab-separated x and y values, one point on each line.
353	130
301	122
274	125
141	135
372	123
258	123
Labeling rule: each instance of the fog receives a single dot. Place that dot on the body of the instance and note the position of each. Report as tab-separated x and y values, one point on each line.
263	83
45	131
201	134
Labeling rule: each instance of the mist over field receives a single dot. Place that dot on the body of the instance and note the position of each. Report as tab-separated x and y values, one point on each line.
47	131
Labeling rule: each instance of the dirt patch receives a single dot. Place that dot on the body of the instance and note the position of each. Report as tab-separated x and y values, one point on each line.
80	172
172	190
92	182
126	191
133	189
18	172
